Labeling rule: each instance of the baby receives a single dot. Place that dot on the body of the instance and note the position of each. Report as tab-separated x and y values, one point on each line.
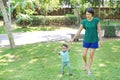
64	53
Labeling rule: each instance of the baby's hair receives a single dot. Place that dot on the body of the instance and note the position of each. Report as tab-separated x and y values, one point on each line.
65	45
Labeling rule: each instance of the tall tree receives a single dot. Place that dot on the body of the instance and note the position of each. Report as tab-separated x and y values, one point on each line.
99	2
47	6
7	24
4	2
79	8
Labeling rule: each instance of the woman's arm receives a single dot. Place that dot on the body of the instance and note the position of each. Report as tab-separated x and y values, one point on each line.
99	34
78	32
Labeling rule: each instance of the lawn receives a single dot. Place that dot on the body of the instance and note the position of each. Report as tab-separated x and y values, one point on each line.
40	62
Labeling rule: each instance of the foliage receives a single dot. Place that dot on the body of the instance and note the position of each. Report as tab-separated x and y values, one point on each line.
114	7
109	31
23	19
23	7
40	62
43	7
79	7
110	27
1	15
48	5
70	19
50	20
36	20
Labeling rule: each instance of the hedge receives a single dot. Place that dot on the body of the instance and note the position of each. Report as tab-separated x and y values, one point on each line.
110	30
49	20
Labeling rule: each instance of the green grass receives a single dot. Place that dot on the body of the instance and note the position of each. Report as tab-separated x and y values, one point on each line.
17	28
30	29
2	30
40	62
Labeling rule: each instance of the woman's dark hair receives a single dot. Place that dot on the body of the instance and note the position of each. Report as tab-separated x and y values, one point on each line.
90	10
65	45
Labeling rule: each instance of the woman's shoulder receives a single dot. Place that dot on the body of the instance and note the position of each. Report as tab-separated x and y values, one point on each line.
96	18
84	20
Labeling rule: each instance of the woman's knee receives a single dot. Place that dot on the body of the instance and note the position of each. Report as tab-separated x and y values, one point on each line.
84	54
92	54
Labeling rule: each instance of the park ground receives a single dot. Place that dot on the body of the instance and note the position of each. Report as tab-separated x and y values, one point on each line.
38	61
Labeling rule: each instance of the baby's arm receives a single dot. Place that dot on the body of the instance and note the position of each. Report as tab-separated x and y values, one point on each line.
56	51
69	50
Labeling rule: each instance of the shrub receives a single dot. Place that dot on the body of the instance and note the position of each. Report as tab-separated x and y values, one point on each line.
109	31
23	19
70	19
36	20
117	27
49	20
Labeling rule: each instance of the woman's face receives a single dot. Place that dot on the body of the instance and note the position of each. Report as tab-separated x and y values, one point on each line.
88	15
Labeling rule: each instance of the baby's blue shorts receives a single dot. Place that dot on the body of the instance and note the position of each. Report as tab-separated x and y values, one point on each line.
90	45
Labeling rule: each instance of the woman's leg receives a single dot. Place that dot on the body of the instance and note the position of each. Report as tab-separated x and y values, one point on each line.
92	51
85	50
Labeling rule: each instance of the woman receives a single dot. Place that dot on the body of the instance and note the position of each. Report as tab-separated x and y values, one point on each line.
92	36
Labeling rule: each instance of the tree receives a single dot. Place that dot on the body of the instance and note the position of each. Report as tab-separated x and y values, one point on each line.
79	7
47	6
4	2
7	24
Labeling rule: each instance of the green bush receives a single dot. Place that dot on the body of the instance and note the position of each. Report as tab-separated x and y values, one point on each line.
57	20
110	31
49	20
117	27
23	19
35	20
70	19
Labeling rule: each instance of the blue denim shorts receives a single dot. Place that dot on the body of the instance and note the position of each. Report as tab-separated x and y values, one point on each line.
90	45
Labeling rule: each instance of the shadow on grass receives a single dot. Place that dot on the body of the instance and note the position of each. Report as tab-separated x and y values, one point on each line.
40	62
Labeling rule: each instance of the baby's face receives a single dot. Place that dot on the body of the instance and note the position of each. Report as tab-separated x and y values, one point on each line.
64	48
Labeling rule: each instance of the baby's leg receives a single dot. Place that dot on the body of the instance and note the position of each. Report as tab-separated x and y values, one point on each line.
70	70
63	65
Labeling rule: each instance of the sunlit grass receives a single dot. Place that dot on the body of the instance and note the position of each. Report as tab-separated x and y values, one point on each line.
40	62
31	29
15	28
2	30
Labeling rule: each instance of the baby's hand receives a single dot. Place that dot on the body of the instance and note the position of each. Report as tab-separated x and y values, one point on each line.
56	50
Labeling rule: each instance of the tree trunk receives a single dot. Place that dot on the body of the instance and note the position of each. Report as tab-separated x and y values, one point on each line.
5	2
99	7
7	25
